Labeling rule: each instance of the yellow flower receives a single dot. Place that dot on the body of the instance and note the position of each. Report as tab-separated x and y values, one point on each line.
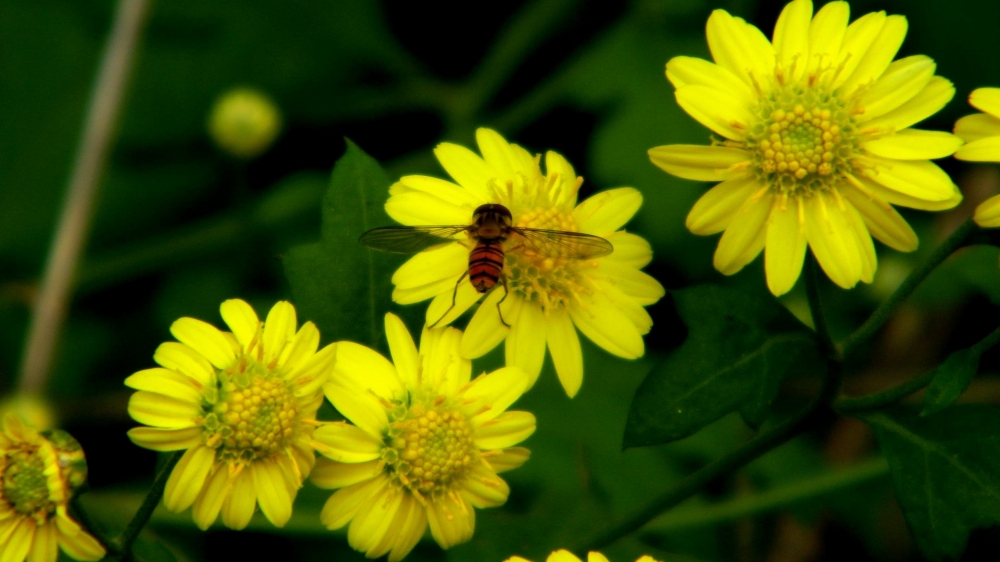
982	133
817	144
549	298
243	404
244	122
425	443
38	476
567	556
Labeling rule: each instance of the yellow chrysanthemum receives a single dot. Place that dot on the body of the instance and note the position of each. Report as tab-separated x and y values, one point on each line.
425	443
567	556
243	404
981	132
548	296
38	476
817	141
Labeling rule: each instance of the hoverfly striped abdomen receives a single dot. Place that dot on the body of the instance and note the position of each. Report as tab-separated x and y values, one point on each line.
486	265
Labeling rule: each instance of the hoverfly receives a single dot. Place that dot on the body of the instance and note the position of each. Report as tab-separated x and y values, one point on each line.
490	229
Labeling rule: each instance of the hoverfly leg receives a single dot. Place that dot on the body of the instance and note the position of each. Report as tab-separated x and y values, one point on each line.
454	297
506	293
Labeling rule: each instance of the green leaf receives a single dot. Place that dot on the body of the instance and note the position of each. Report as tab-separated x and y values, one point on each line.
951	378
946	471
739	349
338	284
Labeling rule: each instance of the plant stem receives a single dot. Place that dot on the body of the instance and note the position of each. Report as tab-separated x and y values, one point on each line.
771	500
145	511
882	314
695	482
74	222
816	308
849	405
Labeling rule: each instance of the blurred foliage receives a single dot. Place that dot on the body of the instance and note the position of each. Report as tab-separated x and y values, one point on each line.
180	227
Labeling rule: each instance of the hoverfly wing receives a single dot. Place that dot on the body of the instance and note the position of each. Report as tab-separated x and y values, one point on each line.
409	239
567	245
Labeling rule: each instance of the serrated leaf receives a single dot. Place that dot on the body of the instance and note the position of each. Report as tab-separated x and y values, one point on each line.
739	349
338	284
951	378
946	472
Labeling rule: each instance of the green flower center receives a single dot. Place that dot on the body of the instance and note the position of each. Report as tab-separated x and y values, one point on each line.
803	139
429	448
534	269
255	416
24	484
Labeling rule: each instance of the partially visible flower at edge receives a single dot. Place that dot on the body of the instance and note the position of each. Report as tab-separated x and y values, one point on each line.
424	445
39	473
243	405
817	144
34	409
549	297
567	556
981	132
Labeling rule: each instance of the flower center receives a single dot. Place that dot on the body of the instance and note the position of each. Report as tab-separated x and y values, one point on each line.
430	447
803	139
535	270
25	485
255	414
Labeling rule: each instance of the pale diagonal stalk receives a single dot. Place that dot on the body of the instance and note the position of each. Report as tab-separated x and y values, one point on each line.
881	315
849	405
74	222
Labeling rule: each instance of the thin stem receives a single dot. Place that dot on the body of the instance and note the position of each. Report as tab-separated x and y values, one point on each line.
74	222
959	238
145	511
771	500
848	405
695	482
816	308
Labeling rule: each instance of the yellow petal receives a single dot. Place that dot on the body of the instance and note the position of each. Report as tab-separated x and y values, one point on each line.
79	544
607	211
451	521
279	328
785	247
719	111
740	47
485	331
878	55
562	556
638	285
714	211
700	163
443	189
160	411
18	542
506	430
467	168
442	264
302	348
917	178
446	307
241	319
791	38
832	240
826	34
179	357
882	220
914	144
739	243
525	344
686	71
357	404
929	101
977	126
863	243
368	370
564	347
508	160
344	504
483	488
343	442
417	208
238	506
409	530
273	495
565	186
605	324
45	547
402	349
982	150
902	80
596	557
489	395
206	339
372	521
859	37
986	100
209	503
314	372
163	440
987	213
630	250
507	459
187	478
166	382
896	198
331	475
442	366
